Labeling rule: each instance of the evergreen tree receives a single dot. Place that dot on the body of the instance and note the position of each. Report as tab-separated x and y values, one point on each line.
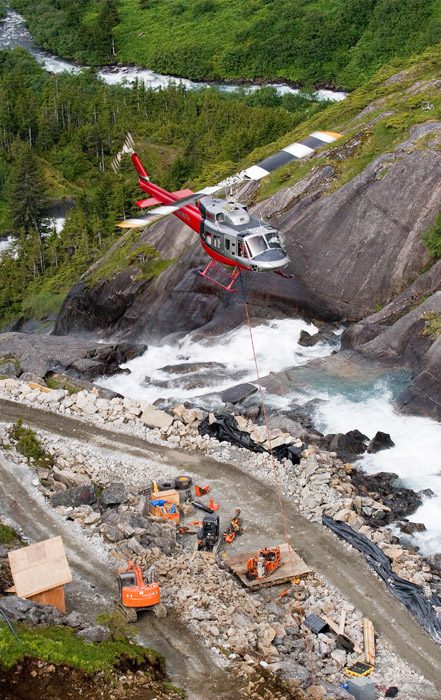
26	192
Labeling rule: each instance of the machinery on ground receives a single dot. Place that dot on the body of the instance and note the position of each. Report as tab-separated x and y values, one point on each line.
228	233
264	563
208	534
135	592
234	528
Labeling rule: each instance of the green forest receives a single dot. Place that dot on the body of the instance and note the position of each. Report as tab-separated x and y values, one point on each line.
58	134
310	42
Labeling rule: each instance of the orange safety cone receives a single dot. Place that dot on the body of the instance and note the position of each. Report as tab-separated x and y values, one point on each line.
213	505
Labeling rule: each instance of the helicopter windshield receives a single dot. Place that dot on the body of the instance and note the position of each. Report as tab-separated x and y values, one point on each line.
273	239
256	245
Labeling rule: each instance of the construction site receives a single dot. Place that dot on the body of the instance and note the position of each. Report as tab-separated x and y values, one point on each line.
201	549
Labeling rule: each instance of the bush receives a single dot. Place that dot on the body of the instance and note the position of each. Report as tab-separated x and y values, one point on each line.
28	444
432	238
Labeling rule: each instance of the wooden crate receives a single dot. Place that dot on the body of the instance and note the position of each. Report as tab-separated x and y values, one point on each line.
171	496
40	571
54	597
292	566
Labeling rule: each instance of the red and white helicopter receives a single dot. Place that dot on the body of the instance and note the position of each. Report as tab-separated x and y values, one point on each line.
228	234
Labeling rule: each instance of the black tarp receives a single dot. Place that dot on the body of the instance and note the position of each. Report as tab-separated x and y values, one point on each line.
426	610
225	429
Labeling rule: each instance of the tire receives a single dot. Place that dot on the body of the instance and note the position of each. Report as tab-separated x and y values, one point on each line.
182	483
166	484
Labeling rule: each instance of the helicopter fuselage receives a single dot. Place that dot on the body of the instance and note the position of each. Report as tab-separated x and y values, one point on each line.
229	235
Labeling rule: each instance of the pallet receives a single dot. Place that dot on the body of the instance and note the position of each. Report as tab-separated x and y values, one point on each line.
292	566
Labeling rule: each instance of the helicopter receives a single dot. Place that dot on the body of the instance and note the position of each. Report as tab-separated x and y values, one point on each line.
228	233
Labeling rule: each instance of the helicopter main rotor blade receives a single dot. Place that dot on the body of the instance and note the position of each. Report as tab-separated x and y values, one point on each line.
295	151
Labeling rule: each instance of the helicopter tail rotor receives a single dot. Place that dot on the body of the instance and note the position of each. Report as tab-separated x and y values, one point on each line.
128	148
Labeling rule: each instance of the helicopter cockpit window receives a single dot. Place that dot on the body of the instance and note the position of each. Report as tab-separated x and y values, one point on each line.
273	240
256	245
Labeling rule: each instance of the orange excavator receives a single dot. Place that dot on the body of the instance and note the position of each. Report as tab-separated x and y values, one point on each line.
135	593
264	563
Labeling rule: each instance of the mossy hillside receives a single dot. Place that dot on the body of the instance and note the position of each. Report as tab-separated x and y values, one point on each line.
342	42
60	645
129	253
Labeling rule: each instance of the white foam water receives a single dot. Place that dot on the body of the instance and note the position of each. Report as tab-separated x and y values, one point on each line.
416	457
276	344
6	244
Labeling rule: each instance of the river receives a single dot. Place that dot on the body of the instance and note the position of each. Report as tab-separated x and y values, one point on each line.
13	32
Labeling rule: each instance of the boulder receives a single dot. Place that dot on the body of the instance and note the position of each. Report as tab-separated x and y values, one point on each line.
75	497
380	441
238	393
400	502
153	418
114	494
347	446
94	634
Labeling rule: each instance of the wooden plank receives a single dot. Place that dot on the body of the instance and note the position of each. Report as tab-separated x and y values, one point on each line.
369	641
39	567
341	625
335	628
292	566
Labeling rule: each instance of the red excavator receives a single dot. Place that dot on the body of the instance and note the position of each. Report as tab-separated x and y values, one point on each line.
136	593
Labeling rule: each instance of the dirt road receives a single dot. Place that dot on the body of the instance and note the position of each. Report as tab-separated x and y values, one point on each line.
343	568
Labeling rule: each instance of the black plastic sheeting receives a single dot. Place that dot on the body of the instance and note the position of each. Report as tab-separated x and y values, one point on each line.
225	429
422	607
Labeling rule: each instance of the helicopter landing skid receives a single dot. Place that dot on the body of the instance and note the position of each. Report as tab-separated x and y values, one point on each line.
284	275
233	276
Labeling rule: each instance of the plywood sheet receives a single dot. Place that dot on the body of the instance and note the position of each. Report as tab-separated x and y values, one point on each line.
39	567
292	566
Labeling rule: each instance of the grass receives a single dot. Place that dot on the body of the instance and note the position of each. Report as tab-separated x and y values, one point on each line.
432	238
28	444
7	534
60	645
58	381
6	359
432	324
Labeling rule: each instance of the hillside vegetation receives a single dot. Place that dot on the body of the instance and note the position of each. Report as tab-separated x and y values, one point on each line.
310	42
57	137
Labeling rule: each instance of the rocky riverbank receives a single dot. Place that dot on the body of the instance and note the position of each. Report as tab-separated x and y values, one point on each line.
320	484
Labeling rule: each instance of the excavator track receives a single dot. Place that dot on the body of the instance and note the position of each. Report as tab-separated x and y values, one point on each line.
129	614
